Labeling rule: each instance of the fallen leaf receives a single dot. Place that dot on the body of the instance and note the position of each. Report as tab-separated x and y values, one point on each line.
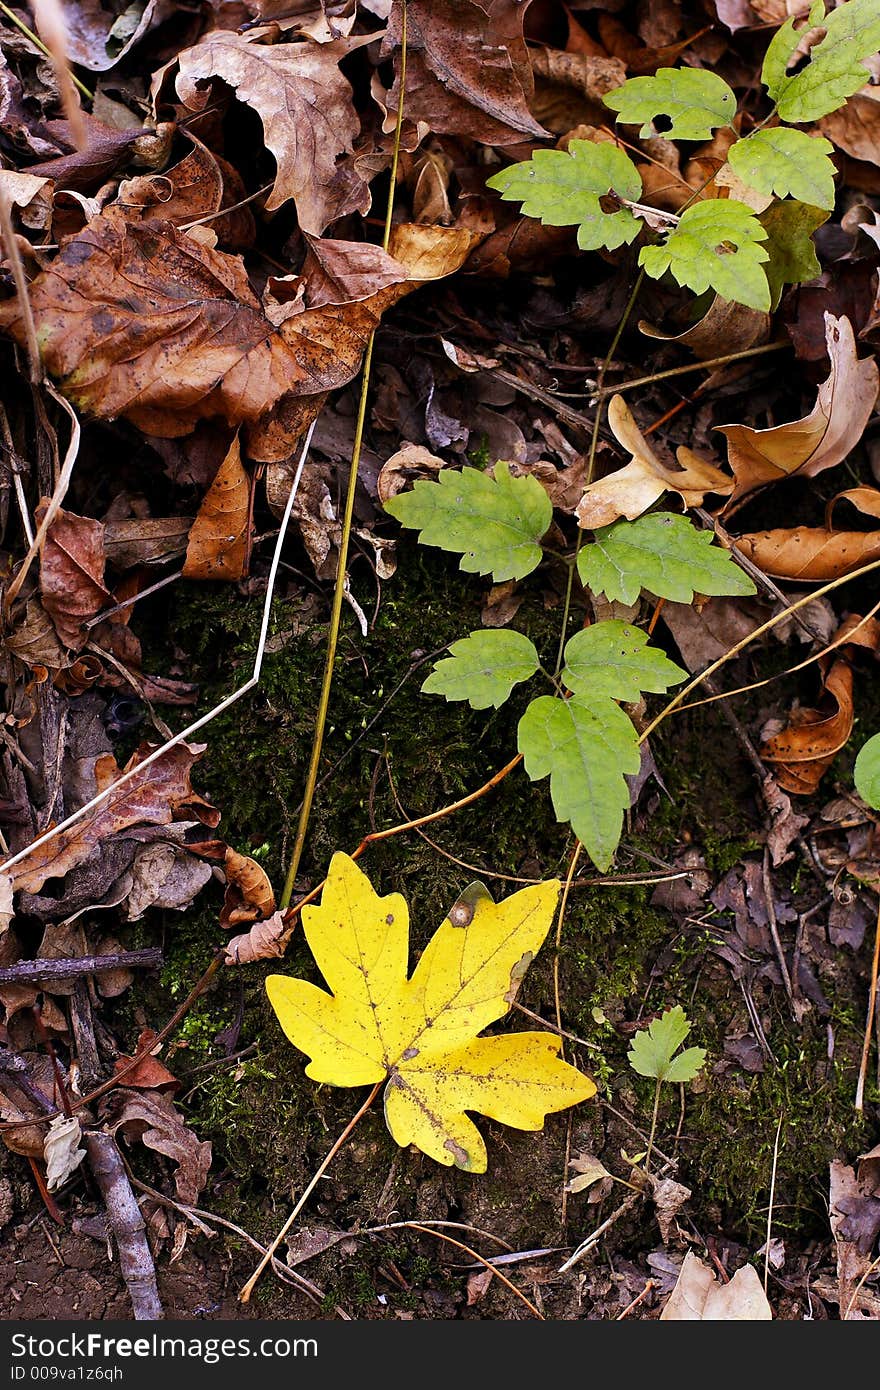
821	439
804	750
150	1117
589	1171
810	553
218	542
149	1074
467	70
785	823
854	1201
420	1033
72	574
631	490
95	38
408	463
668	1197
703	635
61	1150
149	540
153	797
31	195
307	111
265	941
698	1297
164	875
735	326
856	126
249	893
7	908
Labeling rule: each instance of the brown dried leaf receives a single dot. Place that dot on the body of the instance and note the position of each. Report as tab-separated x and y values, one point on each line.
855	1224
265	941
668	1197
150	1074
698	1297
249	893
785	823
631	490
855	128
306	107
152	1118
734	326
149	540
467	69
218	541
805	749
90	42
410	462
810	553
821	439
156	796
72	574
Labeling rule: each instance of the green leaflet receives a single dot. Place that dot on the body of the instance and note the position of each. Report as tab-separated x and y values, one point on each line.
483	668
786	162
496	523
615	659
586	747
793	260
563	188
662	553
697	254
652	1049
836	69
867	772
694	101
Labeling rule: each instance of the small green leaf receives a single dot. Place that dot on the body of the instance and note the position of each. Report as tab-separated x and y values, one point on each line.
615	659
651	1053
715	246
563	188
786	162
662	553
694	101
496	522
483	668
867	772
836	69
793	260
586	747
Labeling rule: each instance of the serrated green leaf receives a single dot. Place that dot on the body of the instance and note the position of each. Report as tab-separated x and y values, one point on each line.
483	668
664	554
694	101
716	245
793	260
786	162
615	659
836	69
496	523
867	772
585	747
652	1049
563	188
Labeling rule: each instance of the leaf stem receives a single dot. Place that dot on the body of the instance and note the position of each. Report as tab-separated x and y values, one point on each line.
689	367
339	589
654	1115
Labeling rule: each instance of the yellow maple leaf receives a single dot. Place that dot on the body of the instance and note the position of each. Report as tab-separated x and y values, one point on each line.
421	1032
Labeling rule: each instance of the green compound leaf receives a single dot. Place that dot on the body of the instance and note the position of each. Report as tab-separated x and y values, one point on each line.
563	188
697	254
586	747
786	162
615	659
867	772
793	260
694	101
483	668
651	1053
662	553
495	522
836	69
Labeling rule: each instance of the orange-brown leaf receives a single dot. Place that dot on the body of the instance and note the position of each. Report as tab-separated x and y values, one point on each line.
218	540
249	893
810	553
805	749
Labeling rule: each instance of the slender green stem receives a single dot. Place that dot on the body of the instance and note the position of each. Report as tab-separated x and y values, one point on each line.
689	367
339	590
35	39
650	1147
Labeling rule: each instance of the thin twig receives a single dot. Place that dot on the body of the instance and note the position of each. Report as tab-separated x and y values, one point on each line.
770	1207
869	1023
689	367
73	967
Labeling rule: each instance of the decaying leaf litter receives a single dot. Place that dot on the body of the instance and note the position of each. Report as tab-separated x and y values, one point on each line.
192	206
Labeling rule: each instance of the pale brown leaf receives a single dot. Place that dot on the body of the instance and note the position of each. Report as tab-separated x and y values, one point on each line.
265	941
698	1297
150	1116
810	553
218	541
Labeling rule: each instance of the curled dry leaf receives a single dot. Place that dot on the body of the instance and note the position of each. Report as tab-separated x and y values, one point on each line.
249	893
265	941
151	1117
631	490
218	541
735	326
403	468
61	1150
7	909
698	1297
804	750
855	1224
307	111
668	1197
821	439
72	574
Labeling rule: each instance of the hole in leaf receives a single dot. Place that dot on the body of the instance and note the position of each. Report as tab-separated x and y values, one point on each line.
662	124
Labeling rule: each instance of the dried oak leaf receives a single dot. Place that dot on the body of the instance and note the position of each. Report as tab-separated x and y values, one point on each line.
151	1117
307	111
72	574
467	69
140	320
854	1201
218	542
821	439
631	490
804	750
156	796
